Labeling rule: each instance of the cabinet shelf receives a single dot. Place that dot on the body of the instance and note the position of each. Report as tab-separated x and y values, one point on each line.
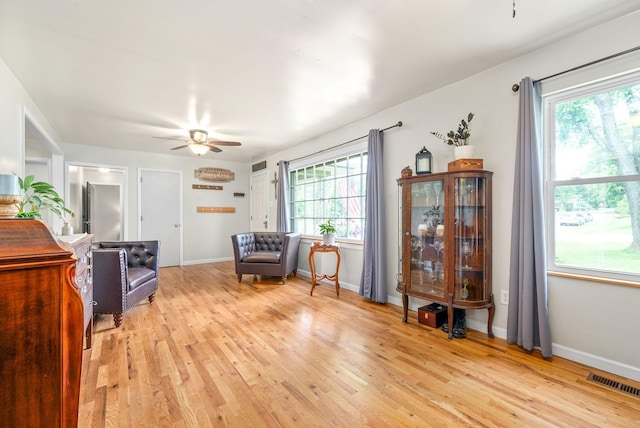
446	241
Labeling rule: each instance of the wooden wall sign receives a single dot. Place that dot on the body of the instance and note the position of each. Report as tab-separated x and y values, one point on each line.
217	210
205	187
214	174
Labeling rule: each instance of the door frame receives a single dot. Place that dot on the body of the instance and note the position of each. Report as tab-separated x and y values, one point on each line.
34	160
180	206
125	188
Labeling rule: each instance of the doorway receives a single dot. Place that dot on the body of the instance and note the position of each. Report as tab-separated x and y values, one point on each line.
40	168
108	218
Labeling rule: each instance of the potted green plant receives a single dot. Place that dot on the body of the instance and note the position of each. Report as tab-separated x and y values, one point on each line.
37	195
328	232
459	139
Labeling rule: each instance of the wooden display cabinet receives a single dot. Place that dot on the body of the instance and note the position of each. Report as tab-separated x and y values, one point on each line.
446	241
42	328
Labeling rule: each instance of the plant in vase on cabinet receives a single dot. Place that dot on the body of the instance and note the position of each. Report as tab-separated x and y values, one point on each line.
37	195
459	139
328	232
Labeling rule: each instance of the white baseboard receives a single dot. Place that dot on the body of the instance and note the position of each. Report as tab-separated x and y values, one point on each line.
199	262
597	362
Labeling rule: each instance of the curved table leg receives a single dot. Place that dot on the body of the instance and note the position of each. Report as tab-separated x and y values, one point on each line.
492	310
450	316
336	275
405	307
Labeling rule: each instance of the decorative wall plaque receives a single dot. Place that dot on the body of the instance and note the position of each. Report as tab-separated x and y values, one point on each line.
205	187
214	174
218	210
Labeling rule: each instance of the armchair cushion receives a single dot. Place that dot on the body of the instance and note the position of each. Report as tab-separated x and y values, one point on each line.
262	257
138	276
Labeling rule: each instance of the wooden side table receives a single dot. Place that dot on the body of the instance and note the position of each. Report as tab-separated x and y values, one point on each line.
314	276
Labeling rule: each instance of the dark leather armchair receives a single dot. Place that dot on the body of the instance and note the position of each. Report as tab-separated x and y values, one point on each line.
266	253
124	273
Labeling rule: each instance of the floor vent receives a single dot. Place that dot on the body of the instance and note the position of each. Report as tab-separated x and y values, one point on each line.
614	384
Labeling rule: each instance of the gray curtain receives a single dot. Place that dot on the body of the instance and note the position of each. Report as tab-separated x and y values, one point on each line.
283	224
374	272
528	322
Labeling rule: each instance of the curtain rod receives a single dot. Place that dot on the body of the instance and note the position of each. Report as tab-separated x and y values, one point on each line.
516	86
399	124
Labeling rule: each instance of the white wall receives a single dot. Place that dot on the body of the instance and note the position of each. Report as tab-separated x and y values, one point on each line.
15	102
591	322
206	236
11	134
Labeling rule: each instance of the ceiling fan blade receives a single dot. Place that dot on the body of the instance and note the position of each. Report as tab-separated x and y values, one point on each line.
225	143
171	138
214	148
180	147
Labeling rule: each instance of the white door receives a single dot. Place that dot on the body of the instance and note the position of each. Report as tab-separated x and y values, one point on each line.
260	202
104	213
160	201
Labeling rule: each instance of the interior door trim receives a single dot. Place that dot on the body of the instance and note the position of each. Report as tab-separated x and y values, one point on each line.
125	188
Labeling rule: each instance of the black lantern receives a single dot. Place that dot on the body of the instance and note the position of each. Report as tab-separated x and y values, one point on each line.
423	161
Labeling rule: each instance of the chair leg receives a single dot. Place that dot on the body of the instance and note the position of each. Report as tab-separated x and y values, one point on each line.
239	277
117	319
151	297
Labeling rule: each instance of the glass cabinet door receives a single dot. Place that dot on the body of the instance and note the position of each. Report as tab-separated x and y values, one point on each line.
470	224
427	238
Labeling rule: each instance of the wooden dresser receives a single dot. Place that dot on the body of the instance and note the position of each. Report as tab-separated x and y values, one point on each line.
42	328
81	245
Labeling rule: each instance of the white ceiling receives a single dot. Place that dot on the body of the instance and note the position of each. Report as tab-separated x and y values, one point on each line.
268	73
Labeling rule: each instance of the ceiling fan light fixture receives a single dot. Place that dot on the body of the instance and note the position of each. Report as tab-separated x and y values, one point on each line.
198	135
199	149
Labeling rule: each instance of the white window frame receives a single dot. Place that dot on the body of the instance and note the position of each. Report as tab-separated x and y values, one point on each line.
322	157
549	102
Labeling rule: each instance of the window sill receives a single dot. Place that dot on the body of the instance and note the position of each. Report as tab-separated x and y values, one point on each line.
344	242
594	279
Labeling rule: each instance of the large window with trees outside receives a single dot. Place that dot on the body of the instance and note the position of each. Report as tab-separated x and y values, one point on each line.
593	186
330	190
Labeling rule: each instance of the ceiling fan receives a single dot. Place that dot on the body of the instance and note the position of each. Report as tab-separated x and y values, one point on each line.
199	143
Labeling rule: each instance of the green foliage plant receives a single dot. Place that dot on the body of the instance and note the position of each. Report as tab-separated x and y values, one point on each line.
326	228
460	137
38	195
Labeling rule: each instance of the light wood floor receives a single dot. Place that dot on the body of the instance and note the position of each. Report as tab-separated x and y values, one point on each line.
212	352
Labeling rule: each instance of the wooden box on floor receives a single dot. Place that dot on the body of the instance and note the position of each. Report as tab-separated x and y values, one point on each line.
433	315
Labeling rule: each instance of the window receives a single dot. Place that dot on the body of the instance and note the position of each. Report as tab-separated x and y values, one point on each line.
593	185
330	190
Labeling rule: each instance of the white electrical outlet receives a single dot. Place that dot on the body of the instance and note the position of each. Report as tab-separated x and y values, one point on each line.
504	297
